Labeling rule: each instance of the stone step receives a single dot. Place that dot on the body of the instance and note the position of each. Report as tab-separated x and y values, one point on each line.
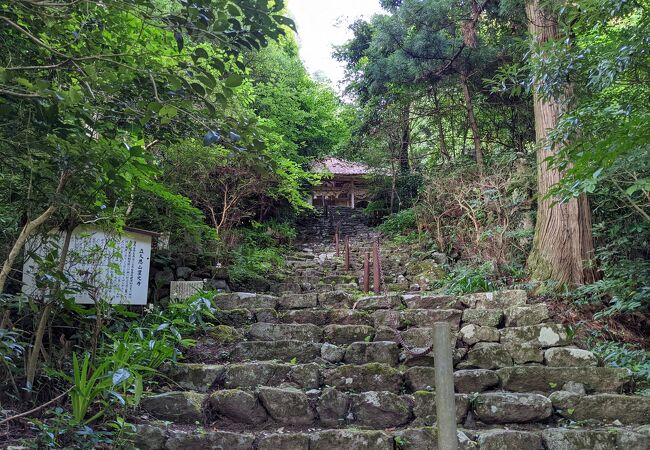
334	407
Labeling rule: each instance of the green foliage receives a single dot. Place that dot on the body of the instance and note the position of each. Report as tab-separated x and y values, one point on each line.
616	354
469	278
399	223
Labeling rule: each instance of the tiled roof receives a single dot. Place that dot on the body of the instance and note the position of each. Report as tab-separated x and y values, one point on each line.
339	167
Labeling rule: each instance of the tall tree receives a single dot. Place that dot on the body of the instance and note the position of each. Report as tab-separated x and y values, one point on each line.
563	244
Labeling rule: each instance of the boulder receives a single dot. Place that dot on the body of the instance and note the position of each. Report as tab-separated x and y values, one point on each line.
146	437
520	316
495	300
476	380
389	301
224	334
306	376
253	374
416	318
332	353
604	407
570	439
335	299
347	334
483	317
420	379
367	377
472	334
181	407
507	407
569	357
238	406
287	406
523	353
369	352
298	301
195	377
509	440
283	350
381	409
234	317
239	300
422	301
426	438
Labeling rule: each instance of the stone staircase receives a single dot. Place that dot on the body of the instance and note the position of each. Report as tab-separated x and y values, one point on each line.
316	366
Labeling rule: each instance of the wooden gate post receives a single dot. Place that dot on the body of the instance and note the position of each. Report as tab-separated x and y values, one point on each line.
336	241
366	273
376	268
347	253
444	381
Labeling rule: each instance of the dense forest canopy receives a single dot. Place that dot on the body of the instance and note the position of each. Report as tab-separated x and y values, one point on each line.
516	137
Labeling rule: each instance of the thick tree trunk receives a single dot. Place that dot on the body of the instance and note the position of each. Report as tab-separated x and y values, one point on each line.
563	244
441	131
472	121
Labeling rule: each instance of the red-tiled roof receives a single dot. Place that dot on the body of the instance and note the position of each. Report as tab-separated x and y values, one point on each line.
340	167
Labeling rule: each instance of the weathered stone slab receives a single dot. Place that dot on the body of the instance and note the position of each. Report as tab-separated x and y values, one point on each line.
420	379
287	406
336	298
244	300
509	440
200	440
249	375
424	408
548	379
568	439
281	350
422	301
604	407
519	316
495	300
523	353
547	335
367	377
284	331
417	318
181	407
369	352
298	301
333	407
476	380
483	317
487	356
283	441
569	357
350	439
347	334
381	409
238	406
472	334
378	302
508	407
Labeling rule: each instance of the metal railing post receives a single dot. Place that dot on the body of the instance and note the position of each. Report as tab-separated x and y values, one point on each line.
444	381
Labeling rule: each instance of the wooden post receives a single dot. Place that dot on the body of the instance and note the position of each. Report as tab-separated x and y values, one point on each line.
336	241
376	266
444	381
366	273
347	253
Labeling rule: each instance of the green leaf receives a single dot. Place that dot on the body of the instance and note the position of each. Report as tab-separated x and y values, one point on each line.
234	80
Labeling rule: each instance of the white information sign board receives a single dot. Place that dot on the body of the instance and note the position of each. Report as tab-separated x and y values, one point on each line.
100	266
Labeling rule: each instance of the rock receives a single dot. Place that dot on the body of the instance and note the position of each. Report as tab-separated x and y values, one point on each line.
547	379
367	377
563	399
495	300
183	272
218	285
282	331
239	300
575	388
287	406
350	317
332	353
381	409
523	353
164	277
238	406
282	350
487	356
416	318
509	440
606	408
350	439
567	439
181	407
298	301
368	352
548	335
234	317
224	334
147	437
425	438
424	408
195	377
422	301
630	440
378	302
483	317
508	407
254	374
267	315
347	334
335	298
420	379
281	441
306	376
472	334
569	357
333	407
519	316
200	440
476	380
